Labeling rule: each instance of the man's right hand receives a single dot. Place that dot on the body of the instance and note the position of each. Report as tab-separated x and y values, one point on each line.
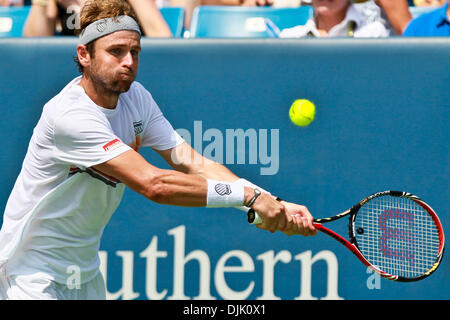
286	217
272	213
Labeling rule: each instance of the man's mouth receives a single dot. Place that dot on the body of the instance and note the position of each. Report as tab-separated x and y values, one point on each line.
126	75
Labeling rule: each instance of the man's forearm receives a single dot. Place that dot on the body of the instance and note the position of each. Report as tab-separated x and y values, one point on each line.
185	159
38	23
150	18
397	12
170	186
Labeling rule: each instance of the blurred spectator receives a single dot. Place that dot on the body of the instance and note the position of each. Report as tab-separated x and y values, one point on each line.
394	14
397	14
336	18
48	17
189	5
435	23
429	3
9	3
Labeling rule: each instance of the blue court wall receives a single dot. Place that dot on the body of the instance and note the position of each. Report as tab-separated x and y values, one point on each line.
382	123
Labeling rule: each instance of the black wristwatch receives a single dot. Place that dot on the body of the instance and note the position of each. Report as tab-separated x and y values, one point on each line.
255	196
251	214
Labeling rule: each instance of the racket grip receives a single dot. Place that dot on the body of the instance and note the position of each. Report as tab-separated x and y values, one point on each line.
253	217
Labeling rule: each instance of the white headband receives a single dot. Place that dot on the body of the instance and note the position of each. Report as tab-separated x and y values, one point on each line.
103	27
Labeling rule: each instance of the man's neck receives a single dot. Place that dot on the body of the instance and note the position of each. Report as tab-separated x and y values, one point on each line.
99	95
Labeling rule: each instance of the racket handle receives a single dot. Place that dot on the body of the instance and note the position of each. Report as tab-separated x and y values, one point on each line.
253	217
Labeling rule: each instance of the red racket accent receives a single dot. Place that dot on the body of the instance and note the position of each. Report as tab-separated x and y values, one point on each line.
436	220
354	250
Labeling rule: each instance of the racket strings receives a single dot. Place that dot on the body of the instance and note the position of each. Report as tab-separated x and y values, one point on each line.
397	235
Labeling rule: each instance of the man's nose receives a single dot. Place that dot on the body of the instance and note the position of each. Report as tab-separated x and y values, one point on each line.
128	59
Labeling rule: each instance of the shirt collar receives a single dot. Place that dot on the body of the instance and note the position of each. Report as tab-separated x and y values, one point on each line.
441	17
353	15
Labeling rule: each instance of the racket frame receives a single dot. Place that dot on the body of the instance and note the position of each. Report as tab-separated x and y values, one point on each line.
352	244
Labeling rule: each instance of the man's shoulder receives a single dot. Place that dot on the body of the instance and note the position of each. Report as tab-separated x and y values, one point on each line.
70	98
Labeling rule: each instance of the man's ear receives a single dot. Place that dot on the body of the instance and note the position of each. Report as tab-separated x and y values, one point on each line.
83	55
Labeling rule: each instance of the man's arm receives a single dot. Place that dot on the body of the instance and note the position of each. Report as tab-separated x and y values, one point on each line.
397	12
177	188
159	185
185	159
150	18
39	23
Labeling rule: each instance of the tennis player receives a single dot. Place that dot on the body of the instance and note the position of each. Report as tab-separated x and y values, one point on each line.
82	154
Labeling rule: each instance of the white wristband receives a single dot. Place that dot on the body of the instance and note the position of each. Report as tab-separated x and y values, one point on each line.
246	183
224	194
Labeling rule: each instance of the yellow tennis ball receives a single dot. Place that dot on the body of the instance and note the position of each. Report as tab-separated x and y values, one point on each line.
302	112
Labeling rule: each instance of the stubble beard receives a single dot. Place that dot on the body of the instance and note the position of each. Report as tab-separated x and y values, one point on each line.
108	84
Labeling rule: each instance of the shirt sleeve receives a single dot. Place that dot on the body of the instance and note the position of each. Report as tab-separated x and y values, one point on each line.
158	132
85	138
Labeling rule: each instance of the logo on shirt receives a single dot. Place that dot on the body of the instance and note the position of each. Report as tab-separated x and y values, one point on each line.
137	125
222	189
114	144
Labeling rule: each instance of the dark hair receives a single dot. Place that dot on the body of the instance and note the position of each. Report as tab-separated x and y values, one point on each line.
95	10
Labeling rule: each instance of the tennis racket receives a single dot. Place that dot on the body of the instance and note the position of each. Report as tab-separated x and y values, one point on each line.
394	233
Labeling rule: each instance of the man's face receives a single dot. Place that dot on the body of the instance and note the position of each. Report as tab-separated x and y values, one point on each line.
115	61
330	7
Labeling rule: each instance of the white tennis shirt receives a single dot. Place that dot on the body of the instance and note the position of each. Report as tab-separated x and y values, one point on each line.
59	206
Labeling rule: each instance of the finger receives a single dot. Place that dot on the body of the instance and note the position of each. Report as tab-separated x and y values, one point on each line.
296	221
307	226
311	230
269	225
309	218
306	213
298	225
306	231
285	221
265	226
